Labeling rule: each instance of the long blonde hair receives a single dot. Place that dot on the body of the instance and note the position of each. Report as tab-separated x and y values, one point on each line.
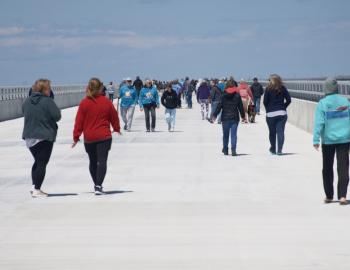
275	83
94	87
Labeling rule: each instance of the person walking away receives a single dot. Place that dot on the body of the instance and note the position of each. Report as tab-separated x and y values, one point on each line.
215	98
94	119
191	89
231	107
149	101
203	94
177	88
258	91
170	101
128	100
276	102
111	91
247	97
41	115
332	127
138	85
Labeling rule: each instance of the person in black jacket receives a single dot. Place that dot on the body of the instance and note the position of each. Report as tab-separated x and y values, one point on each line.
170	101
257	91
231	106
215	98
138	84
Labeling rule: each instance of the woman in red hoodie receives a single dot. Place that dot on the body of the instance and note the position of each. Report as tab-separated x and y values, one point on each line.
95	116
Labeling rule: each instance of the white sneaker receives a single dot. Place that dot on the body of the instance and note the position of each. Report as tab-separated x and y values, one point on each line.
37	193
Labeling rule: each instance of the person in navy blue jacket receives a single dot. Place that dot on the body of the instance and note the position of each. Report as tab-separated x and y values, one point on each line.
149	101
276	101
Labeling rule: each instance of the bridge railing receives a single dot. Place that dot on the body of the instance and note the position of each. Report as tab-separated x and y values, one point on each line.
312	90
12	93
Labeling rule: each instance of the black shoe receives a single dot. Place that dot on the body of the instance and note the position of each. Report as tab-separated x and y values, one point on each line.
273	152
153	130
125	127
148	130
234	153
225	151
99	191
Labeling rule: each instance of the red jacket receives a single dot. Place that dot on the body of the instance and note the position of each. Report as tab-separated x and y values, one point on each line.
244	91
94	119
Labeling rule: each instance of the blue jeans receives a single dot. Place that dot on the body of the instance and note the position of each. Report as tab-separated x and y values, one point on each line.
189	100
170	117
276	126
214	106
229	128
257	104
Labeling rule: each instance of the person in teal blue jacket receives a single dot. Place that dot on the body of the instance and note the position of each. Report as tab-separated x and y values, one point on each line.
149	101
128	100
332	127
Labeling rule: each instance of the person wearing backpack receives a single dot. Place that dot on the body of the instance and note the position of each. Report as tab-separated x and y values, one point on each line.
332	128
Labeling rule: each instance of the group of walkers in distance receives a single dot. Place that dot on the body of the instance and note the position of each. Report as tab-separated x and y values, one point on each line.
230	103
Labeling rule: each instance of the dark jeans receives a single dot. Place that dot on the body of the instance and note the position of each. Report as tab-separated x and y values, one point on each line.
41	153
328	153
98	155
150	109
111	97
179	98
257	104
276	126
229	128
189	100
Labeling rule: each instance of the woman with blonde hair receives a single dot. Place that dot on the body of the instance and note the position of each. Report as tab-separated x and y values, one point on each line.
276	101
95	116
41	115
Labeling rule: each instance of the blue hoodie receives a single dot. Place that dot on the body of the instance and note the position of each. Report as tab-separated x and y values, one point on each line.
148	96
128	96
332	120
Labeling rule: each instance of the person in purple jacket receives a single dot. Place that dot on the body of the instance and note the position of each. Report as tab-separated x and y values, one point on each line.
203	94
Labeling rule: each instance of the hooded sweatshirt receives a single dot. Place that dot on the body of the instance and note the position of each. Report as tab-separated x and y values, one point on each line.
40	117
203	91
170	99
128	96
94	118
332	120
149	96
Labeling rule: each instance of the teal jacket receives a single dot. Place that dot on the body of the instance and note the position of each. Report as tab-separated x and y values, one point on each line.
128	96
332	120
149	96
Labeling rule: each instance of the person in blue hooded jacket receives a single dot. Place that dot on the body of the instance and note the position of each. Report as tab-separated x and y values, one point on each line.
332	127
149	101
128	100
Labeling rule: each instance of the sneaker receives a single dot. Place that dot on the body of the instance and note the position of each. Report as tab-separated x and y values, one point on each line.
234	153
327	200
273	152
37	193
148	130
32	189
125	127
279	154
225	151
153	130
99	191
343	201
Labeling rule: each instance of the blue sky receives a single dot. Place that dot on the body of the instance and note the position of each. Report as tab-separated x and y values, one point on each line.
70	41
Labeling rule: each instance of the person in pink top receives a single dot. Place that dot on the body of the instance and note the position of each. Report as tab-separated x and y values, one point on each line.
246	96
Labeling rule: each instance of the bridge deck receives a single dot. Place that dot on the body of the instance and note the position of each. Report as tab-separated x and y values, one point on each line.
176	203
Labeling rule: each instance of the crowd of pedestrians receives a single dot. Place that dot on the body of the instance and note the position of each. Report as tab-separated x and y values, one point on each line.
222	100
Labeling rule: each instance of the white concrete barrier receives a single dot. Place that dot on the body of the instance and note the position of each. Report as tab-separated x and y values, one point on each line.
301	114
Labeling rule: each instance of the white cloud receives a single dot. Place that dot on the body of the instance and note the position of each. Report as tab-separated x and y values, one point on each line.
69	41
8	31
